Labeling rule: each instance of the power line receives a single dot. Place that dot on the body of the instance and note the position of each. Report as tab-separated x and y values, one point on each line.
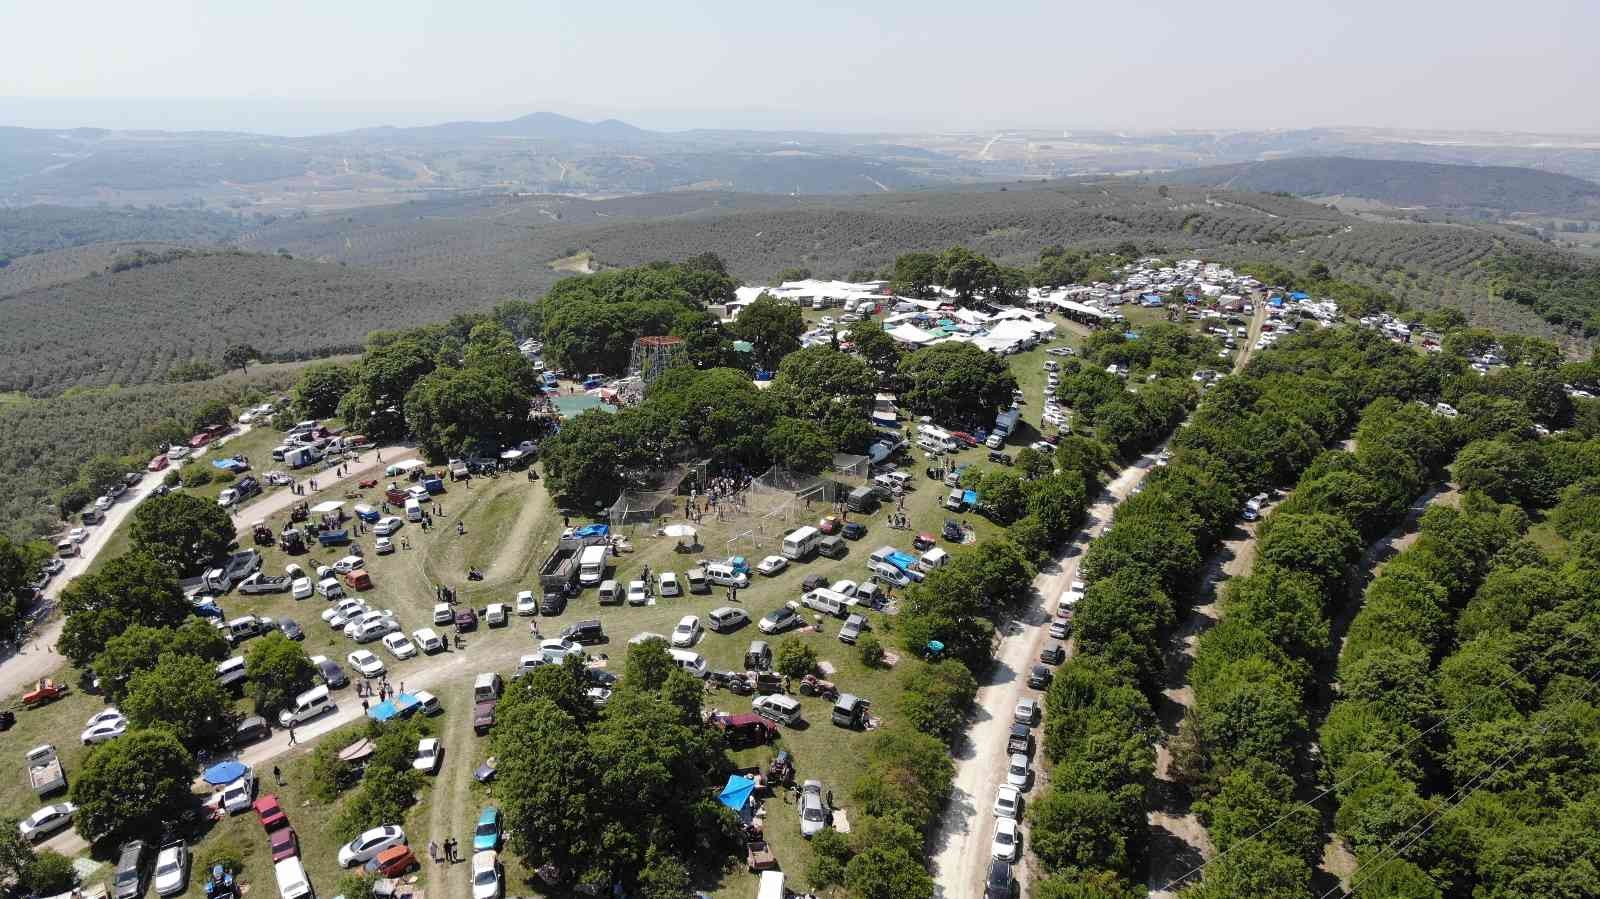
1482	695
1473	785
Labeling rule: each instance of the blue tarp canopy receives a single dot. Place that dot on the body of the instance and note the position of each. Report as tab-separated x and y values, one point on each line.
228	464
1275	302
1299	295
225	773
902	561
736	795
400	706
593	530
970	497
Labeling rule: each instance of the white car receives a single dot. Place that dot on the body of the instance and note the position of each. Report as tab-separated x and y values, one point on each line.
670	586
369	844
383	546
342	614
486	876
845	588
172	870
237	796
349	564
46	821
300	588
556	649
687	631
388	525
110	713
365	662
370	626
103	503
527	603
399	645
101	731
1004	845
428	640
429	754
78	535
1017	771
443	614
772	565
227	497
1008	803
636	595
418	493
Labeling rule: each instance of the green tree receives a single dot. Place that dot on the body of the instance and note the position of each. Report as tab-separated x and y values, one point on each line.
139	647
871	650
1323	546
937	697
799	445
957	382
969	274
278	671
874	345
182	531
583	461
705	343
133	786
131	589
320	388
1079	830
1001	496
180	695
794	273
647	665
51	874
795	658
887	873
816	381
16	854
239	355
773	327
18	564
451	410
211	412
915	274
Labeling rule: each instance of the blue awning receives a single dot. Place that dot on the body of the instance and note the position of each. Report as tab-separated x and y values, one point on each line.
593	530
736	795
399	706
225	772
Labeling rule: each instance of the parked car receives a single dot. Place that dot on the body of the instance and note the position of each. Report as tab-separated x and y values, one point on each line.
999	883
687	631
103	728
443	614
1018	771
46	821
172	869
853	530
238	796
383	546
527	603
291	629
430	753
772	566
1026	712
1054	654
726	618
1008	802
1039	677
1004	845
853	626
399	645
466	619
393	862
132	873
486	876
369	844
387	526
815	816
778	620
486	834
365	662
636	594
670	585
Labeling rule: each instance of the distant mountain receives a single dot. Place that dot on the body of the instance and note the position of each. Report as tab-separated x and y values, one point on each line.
533	126
1502	189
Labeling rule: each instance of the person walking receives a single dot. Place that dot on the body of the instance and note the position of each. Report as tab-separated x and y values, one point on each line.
433	851
277	775
292	738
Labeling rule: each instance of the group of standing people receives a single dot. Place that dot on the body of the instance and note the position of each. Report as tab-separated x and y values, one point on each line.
449	852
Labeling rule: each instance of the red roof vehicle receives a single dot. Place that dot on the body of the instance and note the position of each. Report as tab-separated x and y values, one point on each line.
44	691
393	862
270	812
284	843
199	440
158	463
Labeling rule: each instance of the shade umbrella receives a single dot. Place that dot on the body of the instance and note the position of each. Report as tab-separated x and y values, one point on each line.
678	530
325	507
225	773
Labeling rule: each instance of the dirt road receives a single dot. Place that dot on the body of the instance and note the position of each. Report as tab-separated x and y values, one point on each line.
363	465
961	848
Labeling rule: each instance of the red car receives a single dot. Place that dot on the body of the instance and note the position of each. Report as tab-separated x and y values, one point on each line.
964	437
466	619
828	525
270	813
284	843
393	862
158	463
199	440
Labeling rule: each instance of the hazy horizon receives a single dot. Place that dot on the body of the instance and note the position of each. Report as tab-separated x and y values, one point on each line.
297	68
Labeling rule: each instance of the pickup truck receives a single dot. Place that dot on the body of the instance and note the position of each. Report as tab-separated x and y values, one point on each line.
1020	740
45	773
262	583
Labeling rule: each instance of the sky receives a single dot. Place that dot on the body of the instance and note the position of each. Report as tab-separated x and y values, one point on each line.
295	67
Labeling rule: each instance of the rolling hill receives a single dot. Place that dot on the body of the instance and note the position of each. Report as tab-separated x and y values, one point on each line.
1501	190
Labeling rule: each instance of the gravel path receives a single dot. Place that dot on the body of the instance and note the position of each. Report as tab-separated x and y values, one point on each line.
961	847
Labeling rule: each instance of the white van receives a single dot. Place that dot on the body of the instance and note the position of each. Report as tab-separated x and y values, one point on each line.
330	588
771	886
292	881
801	543
610	592
692	662
487	686
428	640
826	601
930	445
230	671
592	565
934	558
724	576
307	706
413	510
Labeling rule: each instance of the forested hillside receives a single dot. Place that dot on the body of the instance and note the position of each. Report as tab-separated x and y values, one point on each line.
1490	188
131	326
37	229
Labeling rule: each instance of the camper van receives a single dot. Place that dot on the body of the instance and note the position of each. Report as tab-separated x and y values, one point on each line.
592	565
827	602
933	558
801	543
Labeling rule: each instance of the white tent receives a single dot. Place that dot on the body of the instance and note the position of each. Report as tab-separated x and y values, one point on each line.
326	506
911	334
